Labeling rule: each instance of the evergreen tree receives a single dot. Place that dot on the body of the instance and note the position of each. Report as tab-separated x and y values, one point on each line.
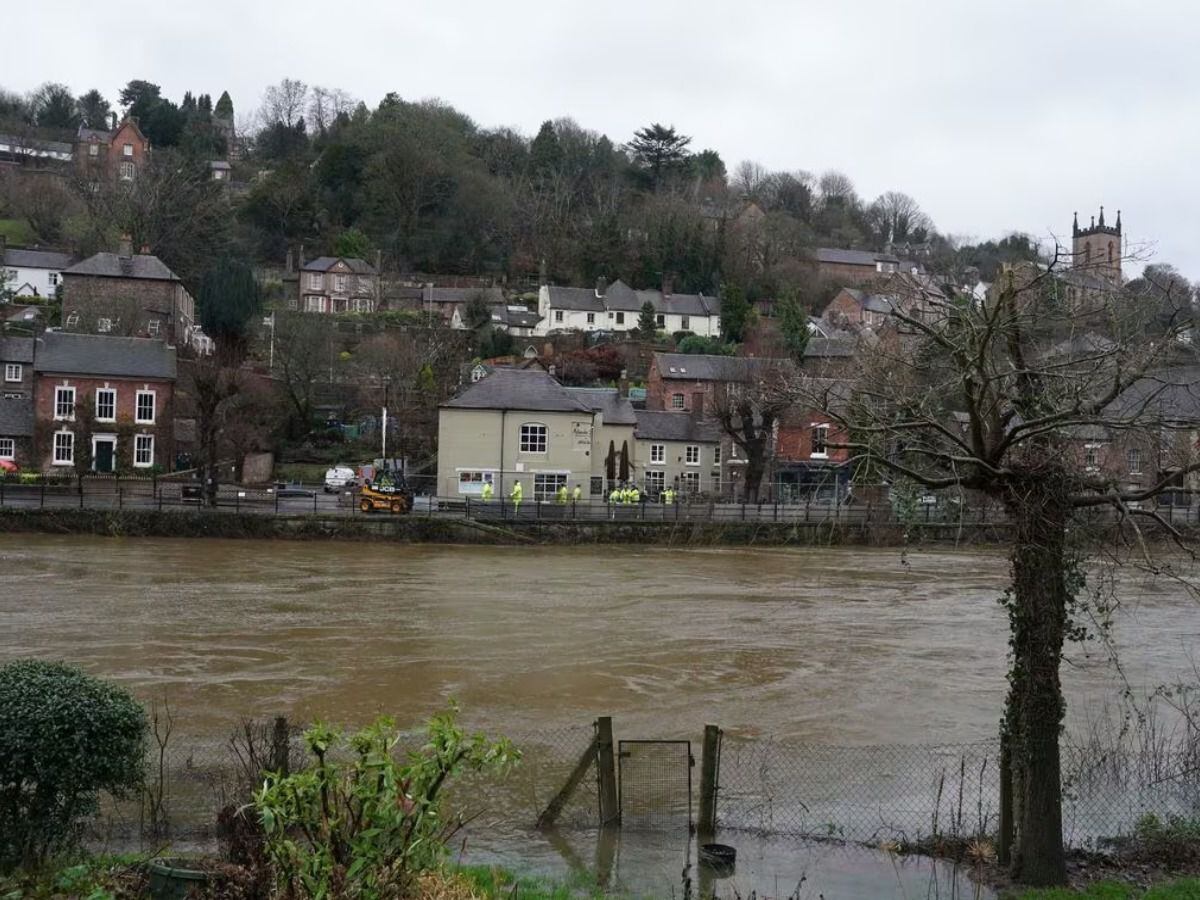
793	325
659	150
93	110
352	244
54	107
224	107
229	299
735	313
545	153
478	313
647	324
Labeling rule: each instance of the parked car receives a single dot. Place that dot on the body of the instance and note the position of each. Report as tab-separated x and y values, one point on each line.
283	489
339	478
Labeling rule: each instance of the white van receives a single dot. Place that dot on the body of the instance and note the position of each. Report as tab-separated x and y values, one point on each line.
340	477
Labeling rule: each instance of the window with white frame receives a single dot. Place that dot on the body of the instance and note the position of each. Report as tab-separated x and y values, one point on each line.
621	318
127	150
339	283
64	403
533	438
691	455
1134	456
93	150
1091	457
656	480
144	409
545	486
591	318
52	279
658	453
106	405
717	455
143	451
153	327
558	315
691	482
715	477
314	281
12	372
104	325
685	323
677	401
8	448
660	320
64	448
314	304
820	441
127	171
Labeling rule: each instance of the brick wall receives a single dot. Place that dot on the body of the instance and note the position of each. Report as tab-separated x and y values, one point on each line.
85	423
131	305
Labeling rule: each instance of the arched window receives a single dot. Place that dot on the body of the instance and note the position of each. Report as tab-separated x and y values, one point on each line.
1110	251
1087	252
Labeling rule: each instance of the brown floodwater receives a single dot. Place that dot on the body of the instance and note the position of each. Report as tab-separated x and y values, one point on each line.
837	646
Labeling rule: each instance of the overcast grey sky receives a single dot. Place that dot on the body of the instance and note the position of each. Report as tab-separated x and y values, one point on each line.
995	116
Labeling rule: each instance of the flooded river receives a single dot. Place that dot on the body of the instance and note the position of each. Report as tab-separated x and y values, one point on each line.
836	646
846	646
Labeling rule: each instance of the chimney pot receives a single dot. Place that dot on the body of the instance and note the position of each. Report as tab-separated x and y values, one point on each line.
601	284
290	262
125	247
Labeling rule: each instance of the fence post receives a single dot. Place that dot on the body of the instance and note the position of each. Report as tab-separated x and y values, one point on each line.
279	746
81	490
1004	840
606	766
314	503
120	497
709	757
42	504
277	500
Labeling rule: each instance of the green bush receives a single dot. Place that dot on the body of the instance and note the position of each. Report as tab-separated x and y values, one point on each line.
368	826
65	738
706	345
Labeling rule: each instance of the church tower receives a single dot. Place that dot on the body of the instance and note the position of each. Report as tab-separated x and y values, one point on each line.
1097	248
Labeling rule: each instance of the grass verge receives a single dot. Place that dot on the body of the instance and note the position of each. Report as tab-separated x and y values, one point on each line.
1187	889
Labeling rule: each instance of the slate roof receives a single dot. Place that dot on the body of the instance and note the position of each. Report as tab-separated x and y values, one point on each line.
870	302
492	295
581	299
659	425
524	389
1172	395
37	259
325	263
839	256
19	143
60	352
112	265
94	134
16	417
515	316
823	348
617	410
619	297
701	367
16	349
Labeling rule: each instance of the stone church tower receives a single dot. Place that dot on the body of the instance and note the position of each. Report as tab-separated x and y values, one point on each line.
1098	248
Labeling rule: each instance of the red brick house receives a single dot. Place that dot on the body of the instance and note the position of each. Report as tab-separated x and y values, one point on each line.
102	404
119	155
806	463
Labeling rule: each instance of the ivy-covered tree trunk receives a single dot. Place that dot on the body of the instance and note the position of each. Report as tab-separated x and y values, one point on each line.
1038	609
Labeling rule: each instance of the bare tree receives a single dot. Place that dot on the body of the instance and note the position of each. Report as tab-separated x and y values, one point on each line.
896	217
325	105
747	404
1010	397
284	103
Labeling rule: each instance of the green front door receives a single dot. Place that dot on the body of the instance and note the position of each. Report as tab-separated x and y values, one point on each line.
105	455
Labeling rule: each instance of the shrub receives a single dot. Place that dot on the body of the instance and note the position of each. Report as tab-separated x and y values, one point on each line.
694	343
369	826
66	737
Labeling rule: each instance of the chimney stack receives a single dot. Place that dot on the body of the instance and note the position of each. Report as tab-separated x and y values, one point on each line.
114	121
667	285
601	284
697	410
300	258
145	251
289	262
125	247
623	383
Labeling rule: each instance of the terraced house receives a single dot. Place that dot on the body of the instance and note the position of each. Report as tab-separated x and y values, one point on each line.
617	306
102	404
16	400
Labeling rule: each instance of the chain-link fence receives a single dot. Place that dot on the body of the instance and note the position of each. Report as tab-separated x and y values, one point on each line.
867	794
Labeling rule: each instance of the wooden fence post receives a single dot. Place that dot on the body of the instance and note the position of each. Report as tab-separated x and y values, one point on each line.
709	762
1004	841
606	764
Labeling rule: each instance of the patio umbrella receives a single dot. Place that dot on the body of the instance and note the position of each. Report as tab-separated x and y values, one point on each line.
610	462
625	462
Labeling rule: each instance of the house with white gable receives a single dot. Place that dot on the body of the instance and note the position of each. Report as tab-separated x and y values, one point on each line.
616	307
